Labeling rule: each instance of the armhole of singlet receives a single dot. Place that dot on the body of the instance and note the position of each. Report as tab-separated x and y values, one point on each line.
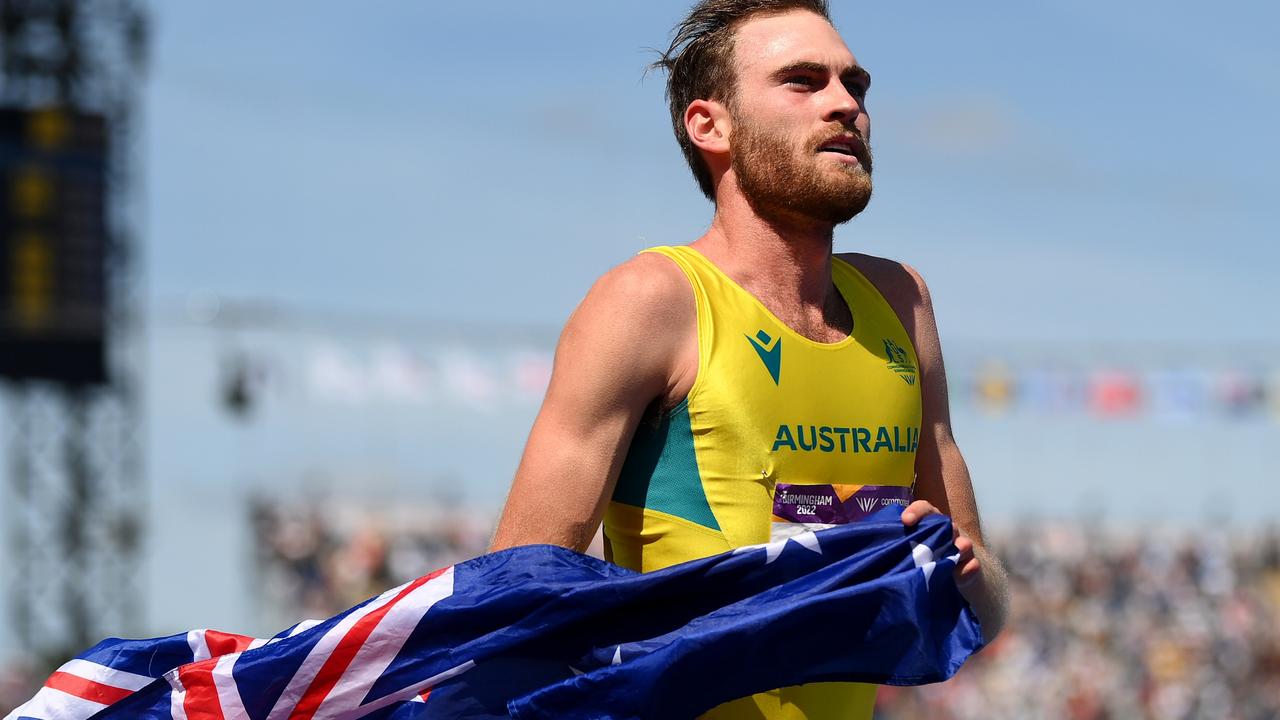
702	309
857	276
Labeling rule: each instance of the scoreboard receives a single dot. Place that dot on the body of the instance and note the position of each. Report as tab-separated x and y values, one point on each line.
53	245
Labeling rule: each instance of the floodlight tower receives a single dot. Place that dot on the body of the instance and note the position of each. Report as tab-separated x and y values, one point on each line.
70	319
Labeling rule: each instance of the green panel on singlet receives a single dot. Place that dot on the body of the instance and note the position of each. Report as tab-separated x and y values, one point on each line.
661	471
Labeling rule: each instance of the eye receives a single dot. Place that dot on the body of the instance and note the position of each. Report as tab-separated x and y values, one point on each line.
800	81
856	89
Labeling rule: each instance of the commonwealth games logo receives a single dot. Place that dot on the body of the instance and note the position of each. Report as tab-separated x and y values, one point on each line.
899	362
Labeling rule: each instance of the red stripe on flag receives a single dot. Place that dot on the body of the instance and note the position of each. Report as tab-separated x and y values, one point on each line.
201	701
86	689
346	650
220	643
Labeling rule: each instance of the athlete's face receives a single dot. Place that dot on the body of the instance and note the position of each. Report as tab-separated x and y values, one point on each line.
799	144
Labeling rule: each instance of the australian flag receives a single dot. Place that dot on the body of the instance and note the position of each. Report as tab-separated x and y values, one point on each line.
544	632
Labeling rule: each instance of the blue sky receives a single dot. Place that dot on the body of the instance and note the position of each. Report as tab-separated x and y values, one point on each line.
1060	170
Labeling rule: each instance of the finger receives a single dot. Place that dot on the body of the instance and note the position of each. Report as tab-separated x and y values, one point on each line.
917	510
968	571
966	561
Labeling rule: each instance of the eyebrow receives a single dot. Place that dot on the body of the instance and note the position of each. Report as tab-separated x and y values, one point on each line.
855	73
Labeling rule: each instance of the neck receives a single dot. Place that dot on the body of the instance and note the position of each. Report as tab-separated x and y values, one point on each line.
782	256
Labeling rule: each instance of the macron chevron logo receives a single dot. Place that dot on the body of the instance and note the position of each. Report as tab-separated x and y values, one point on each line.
770	352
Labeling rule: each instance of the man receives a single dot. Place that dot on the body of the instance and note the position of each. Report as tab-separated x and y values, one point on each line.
751	385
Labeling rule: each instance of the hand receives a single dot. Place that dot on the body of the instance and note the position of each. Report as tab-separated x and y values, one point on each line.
968	570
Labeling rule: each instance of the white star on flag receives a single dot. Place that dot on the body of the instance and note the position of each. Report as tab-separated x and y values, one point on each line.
617	660
922	555
807	540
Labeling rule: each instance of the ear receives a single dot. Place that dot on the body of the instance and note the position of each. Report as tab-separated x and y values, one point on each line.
708	124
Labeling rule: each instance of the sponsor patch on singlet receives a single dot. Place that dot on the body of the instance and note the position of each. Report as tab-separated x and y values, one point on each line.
797	508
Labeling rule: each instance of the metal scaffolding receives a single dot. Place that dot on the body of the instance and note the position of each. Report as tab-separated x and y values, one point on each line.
76	491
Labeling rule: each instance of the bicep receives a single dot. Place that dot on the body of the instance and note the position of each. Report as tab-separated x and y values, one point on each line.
572	456
611	363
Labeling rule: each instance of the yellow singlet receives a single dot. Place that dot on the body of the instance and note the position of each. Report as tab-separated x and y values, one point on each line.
778	434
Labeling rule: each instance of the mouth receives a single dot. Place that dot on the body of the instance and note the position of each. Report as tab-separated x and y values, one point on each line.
848	148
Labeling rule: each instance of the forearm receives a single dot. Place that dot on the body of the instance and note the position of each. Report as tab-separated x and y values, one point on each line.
543	527
547	505
988	593
563	482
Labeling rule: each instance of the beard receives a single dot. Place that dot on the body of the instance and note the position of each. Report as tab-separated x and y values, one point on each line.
781	185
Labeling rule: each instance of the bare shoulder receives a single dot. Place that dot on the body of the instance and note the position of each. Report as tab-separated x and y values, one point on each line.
905	291
900	284
636	326
647	288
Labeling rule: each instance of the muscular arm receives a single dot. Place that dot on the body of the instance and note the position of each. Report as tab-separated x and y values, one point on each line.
618	353
942	477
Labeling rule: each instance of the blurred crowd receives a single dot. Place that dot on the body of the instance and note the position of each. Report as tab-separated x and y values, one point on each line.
1137	624
1107	624
315	560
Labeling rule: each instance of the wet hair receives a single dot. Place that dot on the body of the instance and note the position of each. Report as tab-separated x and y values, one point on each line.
699	63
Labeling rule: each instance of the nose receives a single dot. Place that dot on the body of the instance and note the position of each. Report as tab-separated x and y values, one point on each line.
842	106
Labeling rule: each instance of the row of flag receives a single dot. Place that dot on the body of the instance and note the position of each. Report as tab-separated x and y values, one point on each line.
474	379
1109	393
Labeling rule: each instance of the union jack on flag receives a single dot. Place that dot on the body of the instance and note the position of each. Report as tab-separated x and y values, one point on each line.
544	632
